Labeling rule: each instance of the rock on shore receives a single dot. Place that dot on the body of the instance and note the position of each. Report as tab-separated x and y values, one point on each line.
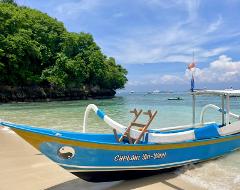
31	94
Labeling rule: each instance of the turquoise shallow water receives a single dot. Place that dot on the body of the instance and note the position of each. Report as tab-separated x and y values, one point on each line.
218	174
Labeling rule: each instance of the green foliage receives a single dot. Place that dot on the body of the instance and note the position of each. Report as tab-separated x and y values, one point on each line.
36	49
116	75
66	72
9	1
29	41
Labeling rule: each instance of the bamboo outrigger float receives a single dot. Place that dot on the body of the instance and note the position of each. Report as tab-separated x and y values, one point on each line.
131	149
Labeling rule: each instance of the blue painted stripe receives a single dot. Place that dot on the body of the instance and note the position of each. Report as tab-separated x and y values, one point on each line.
100	114
146	137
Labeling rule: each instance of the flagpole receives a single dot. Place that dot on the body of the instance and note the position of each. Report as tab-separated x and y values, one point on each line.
192	90
193	56
191	67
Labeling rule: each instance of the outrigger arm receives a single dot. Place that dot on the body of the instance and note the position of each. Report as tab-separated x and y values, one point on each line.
119	127
126	131
218	109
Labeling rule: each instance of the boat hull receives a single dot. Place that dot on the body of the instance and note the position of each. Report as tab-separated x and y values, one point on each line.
80	156
119	175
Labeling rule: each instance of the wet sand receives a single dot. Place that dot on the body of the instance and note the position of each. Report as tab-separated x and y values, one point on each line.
24	167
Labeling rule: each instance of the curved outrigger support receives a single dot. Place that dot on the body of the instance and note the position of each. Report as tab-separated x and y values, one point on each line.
125	131
225	109
103	116
218	109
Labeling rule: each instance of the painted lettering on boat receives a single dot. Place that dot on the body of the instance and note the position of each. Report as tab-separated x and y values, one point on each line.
127	158
137	157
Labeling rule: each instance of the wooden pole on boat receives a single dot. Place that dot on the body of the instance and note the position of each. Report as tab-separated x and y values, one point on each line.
136	114
144	129
223	115
193	108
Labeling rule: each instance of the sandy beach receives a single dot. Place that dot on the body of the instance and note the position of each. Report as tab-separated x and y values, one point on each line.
23	167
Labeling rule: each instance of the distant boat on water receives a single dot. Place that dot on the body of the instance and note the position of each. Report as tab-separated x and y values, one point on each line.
155	92
132	92
229	89
175	98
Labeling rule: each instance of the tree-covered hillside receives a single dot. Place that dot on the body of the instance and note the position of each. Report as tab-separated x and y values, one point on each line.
37	50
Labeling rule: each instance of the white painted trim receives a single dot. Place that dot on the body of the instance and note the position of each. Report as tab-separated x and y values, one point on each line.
88	109
129	167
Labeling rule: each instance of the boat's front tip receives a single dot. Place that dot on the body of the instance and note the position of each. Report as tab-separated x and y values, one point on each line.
26	132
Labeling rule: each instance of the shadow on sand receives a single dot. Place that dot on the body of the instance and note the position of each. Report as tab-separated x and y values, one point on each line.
129	180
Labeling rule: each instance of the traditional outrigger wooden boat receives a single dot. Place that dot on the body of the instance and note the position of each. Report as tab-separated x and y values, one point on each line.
131	149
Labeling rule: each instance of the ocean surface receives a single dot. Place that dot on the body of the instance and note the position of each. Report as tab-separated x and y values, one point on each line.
222	173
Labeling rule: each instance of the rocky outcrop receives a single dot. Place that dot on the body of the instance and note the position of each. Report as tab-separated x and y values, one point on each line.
30	94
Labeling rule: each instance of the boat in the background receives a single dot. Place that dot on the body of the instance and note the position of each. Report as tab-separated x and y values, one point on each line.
155	92
175	98
132	92
136	147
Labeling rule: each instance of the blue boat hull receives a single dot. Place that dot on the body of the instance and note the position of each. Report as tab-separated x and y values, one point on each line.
97	159
93	153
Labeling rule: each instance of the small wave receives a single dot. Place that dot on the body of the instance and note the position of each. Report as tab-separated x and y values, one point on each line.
217	174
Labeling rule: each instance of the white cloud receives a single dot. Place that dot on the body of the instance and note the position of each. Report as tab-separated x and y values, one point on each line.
70	9
173	43
176	41
223	70
157	80
213	52
171	79
215	25
151	31
192	6
225	64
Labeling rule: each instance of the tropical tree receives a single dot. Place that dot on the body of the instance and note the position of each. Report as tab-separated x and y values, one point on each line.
36	49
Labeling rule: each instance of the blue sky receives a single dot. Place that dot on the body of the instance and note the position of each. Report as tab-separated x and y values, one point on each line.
154	39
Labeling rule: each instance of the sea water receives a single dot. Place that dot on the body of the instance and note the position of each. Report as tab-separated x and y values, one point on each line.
222	173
